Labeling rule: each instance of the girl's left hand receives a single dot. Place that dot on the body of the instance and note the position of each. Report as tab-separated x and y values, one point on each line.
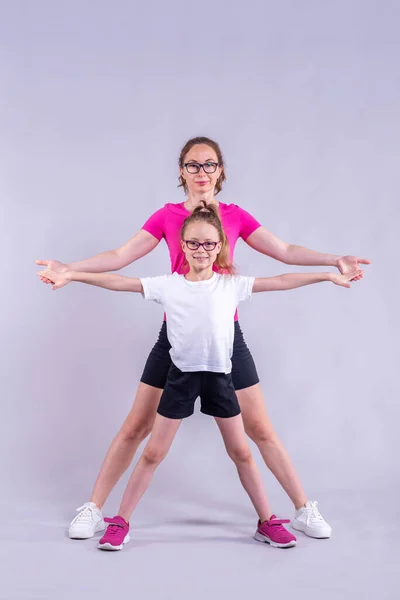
57	279
345	279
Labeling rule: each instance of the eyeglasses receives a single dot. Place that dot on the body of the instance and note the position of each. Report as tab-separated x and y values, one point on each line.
208	167
193	245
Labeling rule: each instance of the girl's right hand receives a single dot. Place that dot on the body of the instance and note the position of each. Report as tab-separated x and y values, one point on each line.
345	279
53	265
58	280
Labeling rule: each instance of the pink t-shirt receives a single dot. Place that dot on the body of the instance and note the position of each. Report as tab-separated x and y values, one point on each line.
167	223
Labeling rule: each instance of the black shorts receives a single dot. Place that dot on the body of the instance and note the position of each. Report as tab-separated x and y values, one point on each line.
244	373
216	391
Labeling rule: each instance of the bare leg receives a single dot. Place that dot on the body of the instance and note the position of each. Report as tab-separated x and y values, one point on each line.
236	445
135	429
259	428
156	450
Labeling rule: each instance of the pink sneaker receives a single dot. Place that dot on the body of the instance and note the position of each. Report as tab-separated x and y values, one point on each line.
116	535
274	534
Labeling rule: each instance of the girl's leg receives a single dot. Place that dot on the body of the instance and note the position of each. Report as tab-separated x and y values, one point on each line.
236	445
259	428
135	429
155	451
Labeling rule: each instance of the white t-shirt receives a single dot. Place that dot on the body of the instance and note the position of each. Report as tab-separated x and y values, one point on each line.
200	317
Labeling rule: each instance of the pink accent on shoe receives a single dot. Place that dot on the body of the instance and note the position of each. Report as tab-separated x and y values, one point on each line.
272	532
116	535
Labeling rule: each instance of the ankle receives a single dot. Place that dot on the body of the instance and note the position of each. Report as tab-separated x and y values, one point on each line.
301	505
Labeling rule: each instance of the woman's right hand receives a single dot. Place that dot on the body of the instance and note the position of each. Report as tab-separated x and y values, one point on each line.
54	265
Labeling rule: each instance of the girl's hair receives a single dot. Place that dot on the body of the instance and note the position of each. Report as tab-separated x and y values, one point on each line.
208	213
208	142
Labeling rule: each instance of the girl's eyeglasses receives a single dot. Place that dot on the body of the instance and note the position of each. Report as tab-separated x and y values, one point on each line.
193	245
208	167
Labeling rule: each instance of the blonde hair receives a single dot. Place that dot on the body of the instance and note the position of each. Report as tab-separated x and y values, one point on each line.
208	213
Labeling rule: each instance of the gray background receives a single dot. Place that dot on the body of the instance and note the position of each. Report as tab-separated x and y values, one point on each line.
97	99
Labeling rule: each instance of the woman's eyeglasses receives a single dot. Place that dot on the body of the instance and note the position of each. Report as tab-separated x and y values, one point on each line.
193	245
208	167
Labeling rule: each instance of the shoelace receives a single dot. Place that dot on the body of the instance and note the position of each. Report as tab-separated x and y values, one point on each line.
314	512
86	514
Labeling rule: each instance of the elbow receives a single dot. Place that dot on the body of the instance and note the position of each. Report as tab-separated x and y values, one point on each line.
285	254
120	260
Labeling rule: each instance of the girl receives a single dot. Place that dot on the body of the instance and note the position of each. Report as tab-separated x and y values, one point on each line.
202	302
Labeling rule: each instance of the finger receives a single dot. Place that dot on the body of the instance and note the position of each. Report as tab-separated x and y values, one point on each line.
364	261
42	262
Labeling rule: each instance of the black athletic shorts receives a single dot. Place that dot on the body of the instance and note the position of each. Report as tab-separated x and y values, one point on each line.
216	391
244	373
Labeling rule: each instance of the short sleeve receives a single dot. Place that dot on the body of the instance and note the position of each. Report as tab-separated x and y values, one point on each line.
154	287
244	287
156	224
248	224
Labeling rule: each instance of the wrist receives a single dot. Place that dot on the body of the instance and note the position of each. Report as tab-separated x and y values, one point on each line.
336	259
70	275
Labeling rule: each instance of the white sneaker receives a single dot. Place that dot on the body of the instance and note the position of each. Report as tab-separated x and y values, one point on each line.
87	522
309	520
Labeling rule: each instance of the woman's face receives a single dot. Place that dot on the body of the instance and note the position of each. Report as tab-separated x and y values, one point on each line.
202	257
201	154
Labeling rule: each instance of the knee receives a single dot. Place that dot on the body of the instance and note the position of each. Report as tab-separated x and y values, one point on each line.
260	432
240	455
137	429
153	456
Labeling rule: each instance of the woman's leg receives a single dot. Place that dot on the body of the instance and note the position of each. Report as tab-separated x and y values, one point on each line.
259	428
155	451
236	445
135	429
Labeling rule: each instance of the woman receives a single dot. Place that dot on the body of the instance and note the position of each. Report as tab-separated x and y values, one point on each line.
201	176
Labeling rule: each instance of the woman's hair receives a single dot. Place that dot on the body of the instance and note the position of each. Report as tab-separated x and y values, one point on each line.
195	142
208	213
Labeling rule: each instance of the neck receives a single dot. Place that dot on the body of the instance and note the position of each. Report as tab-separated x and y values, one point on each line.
194	199
199	275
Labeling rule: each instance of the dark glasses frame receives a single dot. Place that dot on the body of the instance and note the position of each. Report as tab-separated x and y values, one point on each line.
203	244
199	166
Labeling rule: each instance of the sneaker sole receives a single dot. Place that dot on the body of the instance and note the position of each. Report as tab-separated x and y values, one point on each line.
108	546
260	537
302	527
85	536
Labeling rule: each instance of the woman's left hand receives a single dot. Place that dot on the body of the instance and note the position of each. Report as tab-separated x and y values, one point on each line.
345	264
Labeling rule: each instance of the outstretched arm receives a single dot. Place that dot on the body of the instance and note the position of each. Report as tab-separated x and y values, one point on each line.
290	281
267	243
139	245
109	281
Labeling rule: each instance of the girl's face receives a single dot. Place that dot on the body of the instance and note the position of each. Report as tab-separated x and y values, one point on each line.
201	257
205	180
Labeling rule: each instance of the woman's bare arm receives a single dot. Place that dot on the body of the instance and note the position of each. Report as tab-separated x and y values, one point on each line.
267	243
138	246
